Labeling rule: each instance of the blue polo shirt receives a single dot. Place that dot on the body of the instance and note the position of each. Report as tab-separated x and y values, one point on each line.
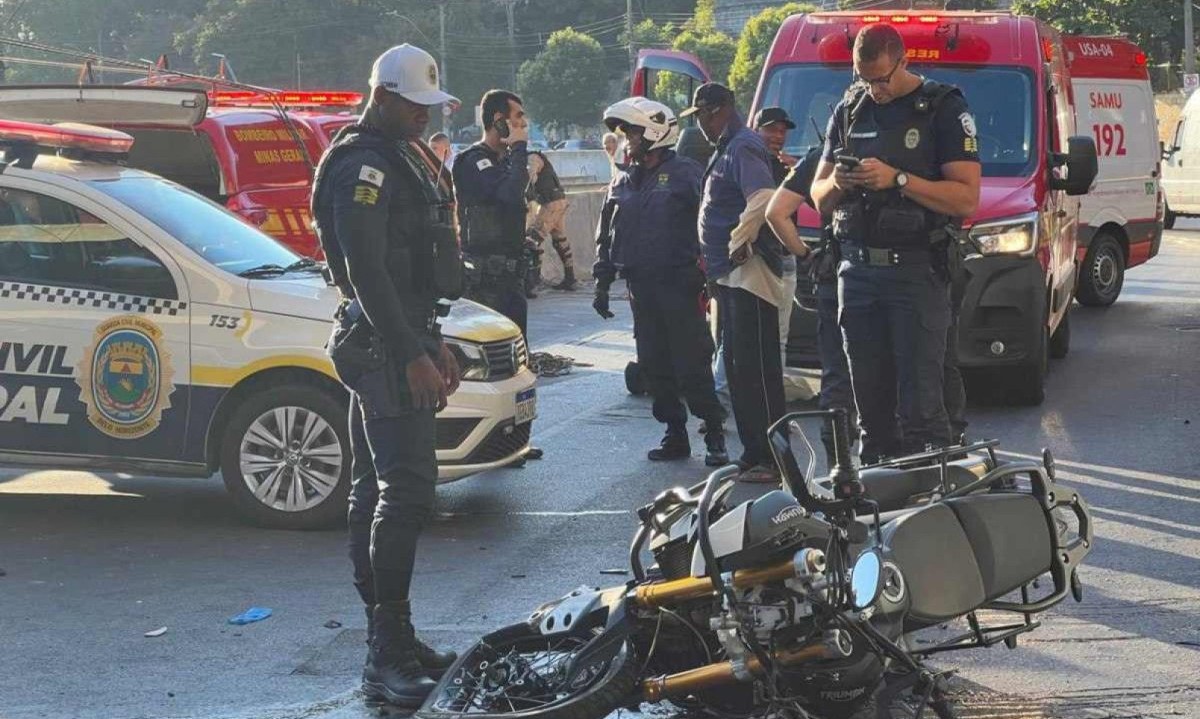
740	167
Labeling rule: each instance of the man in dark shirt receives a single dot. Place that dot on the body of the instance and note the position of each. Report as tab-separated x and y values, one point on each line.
900	167
379	211
490	178
738	184
647	235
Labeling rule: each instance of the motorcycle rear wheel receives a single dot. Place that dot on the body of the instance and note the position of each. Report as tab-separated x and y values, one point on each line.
517	673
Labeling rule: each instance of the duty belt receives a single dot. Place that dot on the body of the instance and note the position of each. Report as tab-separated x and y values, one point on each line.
884	256
349	311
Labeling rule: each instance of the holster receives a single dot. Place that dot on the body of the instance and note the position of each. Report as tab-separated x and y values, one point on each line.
354	347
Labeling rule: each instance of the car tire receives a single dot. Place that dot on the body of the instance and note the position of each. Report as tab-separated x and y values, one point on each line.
1027	387
1060	341
297	478
1169	219
1103	272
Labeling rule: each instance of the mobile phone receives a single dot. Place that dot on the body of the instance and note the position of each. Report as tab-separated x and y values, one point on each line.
849	162
503	129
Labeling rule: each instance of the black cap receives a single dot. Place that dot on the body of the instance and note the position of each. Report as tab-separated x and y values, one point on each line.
768	115
708	96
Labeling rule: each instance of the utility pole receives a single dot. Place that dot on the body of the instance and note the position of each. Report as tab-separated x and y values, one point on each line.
1189	40
442	53
510	11
629	37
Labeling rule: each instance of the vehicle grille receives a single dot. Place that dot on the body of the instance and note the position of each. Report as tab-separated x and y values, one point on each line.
506	359
454	431
500	444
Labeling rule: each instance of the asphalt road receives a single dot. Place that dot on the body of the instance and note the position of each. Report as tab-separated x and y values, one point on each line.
92	562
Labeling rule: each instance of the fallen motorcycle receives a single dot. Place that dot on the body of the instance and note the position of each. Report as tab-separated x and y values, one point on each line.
799	603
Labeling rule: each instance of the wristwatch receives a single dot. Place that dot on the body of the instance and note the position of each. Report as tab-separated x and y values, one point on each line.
901	180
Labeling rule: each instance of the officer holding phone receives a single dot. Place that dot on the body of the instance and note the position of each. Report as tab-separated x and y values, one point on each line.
490	179
900	170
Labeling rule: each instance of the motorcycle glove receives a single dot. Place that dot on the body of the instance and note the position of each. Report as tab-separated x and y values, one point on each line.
600	303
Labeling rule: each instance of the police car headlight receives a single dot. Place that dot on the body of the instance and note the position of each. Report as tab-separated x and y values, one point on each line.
472	361
1017	236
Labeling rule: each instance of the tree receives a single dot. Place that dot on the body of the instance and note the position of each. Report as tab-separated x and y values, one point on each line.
1155	25
753	46
700	37
566	83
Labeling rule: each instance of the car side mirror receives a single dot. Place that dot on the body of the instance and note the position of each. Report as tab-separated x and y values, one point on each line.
1081	166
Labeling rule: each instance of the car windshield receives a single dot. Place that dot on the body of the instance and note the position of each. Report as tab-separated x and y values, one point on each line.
209	230
999	97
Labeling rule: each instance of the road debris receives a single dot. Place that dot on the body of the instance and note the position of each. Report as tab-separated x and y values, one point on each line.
253	614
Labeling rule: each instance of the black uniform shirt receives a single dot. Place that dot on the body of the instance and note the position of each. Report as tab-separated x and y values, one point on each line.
953	127
352	204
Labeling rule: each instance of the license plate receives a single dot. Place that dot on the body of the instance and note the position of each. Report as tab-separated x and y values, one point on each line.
526	406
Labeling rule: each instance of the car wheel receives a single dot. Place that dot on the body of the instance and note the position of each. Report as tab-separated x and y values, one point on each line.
1169	219
1060	341
1103	272
285	458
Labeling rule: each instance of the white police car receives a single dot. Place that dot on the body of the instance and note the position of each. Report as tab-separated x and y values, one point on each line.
145	328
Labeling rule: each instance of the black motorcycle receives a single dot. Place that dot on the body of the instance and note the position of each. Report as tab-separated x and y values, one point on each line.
799	603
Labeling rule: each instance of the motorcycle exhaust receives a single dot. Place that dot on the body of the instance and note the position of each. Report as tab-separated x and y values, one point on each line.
805	563
835	645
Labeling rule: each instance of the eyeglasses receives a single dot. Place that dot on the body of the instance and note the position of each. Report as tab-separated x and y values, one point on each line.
880	81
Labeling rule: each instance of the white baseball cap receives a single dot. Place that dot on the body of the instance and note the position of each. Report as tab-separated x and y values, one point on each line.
410	72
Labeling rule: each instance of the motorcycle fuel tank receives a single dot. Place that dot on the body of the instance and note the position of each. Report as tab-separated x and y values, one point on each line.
758	531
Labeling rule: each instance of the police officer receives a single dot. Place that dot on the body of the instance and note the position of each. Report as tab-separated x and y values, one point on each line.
822	268
547	191
647	235
490	178
379	213
901	165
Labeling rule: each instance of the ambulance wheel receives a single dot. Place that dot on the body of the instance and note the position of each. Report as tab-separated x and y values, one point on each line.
1103	272
285	457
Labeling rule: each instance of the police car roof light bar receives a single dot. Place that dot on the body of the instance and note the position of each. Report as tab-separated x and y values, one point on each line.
286	98
65	136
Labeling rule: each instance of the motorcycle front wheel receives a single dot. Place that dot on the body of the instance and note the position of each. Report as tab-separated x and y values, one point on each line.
517	673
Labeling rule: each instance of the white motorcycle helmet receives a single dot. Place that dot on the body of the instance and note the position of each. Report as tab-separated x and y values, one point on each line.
661	127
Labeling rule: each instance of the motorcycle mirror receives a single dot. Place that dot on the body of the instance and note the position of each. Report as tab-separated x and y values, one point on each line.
866	579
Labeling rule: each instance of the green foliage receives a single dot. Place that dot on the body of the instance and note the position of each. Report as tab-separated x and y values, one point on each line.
565	84
753	46
1155	25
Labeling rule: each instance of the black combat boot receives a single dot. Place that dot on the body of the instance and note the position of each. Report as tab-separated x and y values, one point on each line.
568	283
714	443
674	445
393	673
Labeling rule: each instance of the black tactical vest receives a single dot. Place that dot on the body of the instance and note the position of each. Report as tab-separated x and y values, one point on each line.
885	218
491	229
417	210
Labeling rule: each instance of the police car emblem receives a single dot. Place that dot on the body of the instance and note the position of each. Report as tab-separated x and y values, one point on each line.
968	124
125	378
912	138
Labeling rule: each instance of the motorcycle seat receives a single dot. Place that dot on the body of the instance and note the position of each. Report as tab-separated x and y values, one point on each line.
900	488
958	555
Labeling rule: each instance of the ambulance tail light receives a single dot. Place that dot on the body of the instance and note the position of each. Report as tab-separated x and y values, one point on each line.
65	136
287	98
1139	59
903	19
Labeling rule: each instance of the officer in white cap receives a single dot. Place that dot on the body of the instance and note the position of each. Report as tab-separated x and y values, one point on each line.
380	212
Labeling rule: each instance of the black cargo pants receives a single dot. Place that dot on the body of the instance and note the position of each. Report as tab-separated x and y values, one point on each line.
674	347
894	321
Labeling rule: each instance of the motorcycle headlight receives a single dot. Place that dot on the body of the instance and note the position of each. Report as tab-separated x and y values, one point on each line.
472	362
1017	236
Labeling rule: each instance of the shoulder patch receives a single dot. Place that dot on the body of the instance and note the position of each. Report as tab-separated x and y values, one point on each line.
968	124
483	164
366	195
372	175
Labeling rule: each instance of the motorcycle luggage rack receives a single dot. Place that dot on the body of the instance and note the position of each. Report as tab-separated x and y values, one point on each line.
942	457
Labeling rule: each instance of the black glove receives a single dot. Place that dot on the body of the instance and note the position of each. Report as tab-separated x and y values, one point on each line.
600	302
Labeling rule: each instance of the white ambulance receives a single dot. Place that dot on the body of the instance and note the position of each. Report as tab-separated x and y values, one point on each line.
144	328
1121	219
1181	166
